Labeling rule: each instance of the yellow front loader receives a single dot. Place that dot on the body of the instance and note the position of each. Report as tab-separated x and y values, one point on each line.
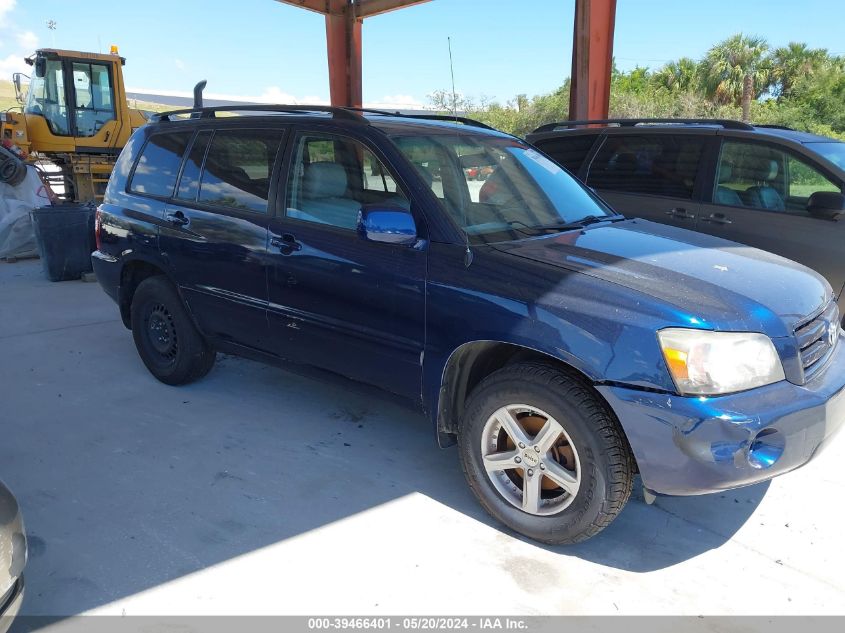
75	117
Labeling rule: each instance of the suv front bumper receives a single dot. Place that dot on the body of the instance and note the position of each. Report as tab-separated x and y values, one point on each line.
693	445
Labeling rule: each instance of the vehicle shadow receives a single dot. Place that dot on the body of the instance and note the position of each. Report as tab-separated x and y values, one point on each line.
126	484
643	538
647	538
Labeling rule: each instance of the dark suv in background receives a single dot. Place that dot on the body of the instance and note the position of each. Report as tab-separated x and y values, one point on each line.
769	187
562	346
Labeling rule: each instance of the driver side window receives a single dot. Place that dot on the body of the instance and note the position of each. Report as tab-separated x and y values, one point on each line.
332	177
93	94
767	178
804	181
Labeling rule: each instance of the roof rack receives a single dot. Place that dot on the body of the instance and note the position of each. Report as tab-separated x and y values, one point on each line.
728	124
211	112
432	116
349	114
774	126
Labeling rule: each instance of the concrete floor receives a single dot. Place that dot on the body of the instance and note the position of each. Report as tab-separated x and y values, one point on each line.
259	491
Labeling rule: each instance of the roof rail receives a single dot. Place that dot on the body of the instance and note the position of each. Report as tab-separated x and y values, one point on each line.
774	126
728	124
348	113
211	112
433	116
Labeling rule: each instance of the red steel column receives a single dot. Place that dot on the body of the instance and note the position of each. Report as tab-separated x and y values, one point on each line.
343	44
592	59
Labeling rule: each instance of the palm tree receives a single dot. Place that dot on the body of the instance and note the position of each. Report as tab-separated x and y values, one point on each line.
737	71
794	61
678	76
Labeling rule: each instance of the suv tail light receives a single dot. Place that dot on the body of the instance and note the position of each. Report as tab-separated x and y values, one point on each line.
98	229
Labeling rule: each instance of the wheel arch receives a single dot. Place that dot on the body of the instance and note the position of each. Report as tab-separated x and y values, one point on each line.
133	272
470	363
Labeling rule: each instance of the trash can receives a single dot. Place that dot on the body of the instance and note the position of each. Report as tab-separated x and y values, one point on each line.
65	237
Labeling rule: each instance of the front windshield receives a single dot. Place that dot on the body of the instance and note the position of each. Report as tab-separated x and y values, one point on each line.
498	188
46	97
833	151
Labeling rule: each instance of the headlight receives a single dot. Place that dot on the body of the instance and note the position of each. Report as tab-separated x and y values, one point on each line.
709	363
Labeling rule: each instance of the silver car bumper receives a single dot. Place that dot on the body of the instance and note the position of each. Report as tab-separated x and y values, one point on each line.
13	553
10	604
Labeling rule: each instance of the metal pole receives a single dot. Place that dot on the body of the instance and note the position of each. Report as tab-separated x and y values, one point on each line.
452	71
592	59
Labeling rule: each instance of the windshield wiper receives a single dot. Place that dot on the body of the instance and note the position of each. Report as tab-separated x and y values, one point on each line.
524	227
580	224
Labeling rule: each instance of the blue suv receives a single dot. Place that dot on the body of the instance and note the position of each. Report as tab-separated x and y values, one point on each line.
564	347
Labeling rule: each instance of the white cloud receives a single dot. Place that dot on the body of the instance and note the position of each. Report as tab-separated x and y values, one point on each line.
13	64
180	65
314	100
27	40
274	94
398	102
270	95
5	7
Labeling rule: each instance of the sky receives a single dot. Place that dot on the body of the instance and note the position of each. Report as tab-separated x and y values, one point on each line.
262	50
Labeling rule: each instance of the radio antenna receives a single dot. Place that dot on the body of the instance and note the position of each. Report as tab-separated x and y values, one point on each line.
452	71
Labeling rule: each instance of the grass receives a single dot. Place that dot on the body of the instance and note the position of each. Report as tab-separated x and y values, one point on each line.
7	95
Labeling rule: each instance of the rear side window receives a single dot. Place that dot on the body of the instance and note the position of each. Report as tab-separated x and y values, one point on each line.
189	184
569	151
158	166
658	165
238	168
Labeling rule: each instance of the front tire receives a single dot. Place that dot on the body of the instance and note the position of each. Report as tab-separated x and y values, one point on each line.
544	455
165	337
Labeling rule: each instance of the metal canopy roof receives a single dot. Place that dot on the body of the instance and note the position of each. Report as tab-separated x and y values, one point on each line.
592	49
361	9
343	40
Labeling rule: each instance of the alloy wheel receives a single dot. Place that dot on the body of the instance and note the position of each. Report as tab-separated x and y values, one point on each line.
530	459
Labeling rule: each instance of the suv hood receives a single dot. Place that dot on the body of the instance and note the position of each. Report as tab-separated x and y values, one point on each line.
716	283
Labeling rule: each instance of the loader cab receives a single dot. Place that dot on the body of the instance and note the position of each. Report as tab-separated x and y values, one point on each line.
75	102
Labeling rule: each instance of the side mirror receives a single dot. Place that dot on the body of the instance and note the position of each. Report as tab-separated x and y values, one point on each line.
828	205
16	80
40	66
389	224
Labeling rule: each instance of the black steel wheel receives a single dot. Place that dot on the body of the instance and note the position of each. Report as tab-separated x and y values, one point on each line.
165	337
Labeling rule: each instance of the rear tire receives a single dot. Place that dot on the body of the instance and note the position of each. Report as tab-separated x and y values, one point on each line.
579	466
165	337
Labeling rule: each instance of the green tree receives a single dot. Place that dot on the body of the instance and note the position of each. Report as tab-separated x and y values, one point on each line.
822	97
638	80
679	76
809	85
793	62
737	71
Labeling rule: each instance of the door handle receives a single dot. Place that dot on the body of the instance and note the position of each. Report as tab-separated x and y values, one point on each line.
681	213
717	218
287	243
177	218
